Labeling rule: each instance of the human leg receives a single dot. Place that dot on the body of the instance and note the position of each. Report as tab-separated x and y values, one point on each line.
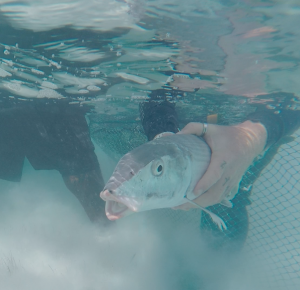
12	152
86	187
62	142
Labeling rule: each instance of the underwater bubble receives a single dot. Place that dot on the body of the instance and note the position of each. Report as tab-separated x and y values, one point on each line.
49	85
36	71
134	78
270	107
49	93
93	88
20	89
4	73
83	91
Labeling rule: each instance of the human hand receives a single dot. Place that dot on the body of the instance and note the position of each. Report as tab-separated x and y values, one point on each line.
233	150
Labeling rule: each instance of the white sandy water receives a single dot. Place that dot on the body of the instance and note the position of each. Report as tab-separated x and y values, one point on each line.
47	242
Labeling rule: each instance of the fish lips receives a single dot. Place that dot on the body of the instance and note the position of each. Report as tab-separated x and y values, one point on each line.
117	207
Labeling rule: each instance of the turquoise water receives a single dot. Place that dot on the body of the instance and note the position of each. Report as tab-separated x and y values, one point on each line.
207	57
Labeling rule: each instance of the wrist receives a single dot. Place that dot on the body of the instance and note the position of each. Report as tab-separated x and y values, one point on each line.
272	123
257	134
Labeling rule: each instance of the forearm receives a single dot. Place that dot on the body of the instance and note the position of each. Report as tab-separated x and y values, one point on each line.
277	125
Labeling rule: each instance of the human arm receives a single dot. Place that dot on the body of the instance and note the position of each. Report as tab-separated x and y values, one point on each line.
233	150
277	124
238	155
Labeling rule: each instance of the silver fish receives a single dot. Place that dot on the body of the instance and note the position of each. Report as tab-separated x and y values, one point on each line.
159	174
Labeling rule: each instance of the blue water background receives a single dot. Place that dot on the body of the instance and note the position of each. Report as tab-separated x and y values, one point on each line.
208	57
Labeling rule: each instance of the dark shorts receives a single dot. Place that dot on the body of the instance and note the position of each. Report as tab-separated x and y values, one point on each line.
51	136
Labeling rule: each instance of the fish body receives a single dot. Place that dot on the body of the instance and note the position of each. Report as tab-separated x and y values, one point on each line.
159	174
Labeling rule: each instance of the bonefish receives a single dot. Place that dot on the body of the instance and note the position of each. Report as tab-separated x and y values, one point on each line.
158	174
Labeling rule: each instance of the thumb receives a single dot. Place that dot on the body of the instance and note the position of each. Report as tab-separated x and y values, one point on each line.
192	128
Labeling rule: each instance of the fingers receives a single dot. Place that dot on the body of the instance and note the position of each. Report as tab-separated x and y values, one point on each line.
214	195
226	187
192	128
211	176
234	191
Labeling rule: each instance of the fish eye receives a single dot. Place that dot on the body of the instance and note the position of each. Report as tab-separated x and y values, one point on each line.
157	167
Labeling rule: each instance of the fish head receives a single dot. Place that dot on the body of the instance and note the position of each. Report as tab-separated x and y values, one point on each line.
154	175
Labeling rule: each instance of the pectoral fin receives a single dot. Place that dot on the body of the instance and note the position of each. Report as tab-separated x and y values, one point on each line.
217	220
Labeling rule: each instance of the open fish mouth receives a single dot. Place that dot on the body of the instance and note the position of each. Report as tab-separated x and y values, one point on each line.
117	207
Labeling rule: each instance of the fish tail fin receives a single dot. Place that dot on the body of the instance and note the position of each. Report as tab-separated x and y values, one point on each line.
217	220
